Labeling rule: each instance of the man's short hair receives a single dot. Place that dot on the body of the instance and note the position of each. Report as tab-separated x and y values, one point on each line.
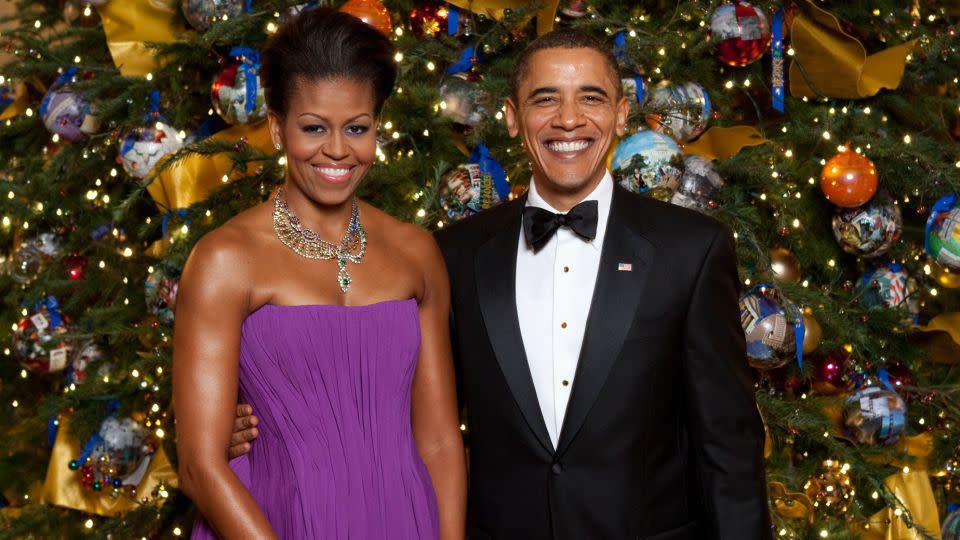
564	38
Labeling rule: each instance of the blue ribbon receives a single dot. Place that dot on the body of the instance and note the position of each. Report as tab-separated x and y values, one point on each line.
799	328
182	212
776	53
642	90
249	6
488	165
944	204
5	97
250	63
53	309
620	46
64	78
53	425
467	58
453	21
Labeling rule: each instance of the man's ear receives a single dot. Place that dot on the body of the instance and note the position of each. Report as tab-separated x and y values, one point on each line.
623	112
276	133
511	115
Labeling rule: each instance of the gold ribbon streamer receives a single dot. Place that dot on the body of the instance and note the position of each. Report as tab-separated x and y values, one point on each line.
914	491
21	98
129	25
724	142
193	178
62	486
941	338
829	62
495	8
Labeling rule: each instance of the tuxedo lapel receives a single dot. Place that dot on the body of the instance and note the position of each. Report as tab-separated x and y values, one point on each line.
496	274
625	262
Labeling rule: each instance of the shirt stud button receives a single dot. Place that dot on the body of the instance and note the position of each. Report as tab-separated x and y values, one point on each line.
565	382
566	269
563	325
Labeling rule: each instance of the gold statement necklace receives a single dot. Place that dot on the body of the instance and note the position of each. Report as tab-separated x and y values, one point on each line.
308	244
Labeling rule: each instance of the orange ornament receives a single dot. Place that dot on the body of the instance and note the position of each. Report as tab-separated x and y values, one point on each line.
371	12
849	179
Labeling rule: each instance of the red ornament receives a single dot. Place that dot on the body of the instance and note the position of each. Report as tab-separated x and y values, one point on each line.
849	179
371	12
76	266
830	373
741	33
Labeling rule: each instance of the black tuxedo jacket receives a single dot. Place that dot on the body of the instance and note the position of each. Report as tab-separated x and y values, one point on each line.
661	438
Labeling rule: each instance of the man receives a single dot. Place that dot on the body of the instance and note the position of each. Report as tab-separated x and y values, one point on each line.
597	337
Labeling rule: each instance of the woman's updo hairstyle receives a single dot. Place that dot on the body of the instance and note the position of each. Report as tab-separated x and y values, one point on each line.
323	44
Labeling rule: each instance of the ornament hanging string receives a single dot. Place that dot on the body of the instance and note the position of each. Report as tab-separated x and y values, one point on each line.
776	54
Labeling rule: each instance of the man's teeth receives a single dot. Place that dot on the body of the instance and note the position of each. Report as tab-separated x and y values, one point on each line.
573	146
333	172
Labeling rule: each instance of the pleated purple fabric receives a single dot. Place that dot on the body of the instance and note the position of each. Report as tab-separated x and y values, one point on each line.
336	456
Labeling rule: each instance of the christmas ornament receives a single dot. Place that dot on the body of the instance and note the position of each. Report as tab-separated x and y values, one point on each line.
31	254
77	370
889	286
647	161
771	338
943	232
830	375
145	146
699	186
950	530
812	334
868	231
117	455
681	111
372	12
785	266
65	112
202	14
848	179
830	488
741	33
160	291
874	415
38	341
432	19
474	186
237	92
899	374
462	100
76	266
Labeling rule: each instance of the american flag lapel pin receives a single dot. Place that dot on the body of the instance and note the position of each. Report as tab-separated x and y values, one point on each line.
624	267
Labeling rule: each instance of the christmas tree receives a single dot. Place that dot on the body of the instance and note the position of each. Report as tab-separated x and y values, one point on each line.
824	133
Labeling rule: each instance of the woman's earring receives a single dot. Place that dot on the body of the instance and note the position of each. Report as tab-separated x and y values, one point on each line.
277	146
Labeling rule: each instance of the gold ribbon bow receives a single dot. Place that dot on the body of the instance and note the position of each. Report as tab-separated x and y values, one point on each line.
129	25
941	338
724	142
62	486
192	178
829	62
495	9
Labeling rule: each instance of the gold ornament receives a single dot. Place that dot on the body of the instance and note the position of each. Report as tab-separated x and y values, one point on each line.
813	332
784	265
830	488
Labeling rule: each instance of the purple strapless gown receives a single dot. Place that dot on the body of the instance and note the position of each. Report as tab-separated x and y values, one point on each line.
335	458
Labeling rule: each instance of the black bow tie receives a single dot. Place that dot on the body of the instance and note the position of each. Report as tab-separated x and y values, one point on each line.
539	224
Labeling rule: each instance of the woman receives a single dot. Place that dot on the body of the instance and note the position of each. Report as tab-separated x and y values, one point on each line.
332	317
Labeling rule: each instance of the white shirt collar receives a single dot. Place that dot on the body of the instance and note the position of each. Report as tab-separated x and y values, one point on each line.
603	194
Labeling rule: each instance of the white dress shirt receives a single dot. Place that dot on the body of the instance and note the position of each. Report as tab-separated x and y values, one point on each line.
554	292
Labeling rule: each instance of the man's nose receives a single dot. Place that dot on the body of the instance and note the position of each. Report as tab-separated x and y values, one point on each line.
569	115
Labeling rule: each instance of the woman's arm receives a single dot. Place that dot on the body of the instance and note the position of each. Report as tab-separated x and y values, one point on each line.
435	422
211	305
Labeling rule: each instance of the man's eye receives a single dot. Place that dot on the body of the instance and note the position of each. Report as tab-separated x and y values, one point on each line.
543	100
593	99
